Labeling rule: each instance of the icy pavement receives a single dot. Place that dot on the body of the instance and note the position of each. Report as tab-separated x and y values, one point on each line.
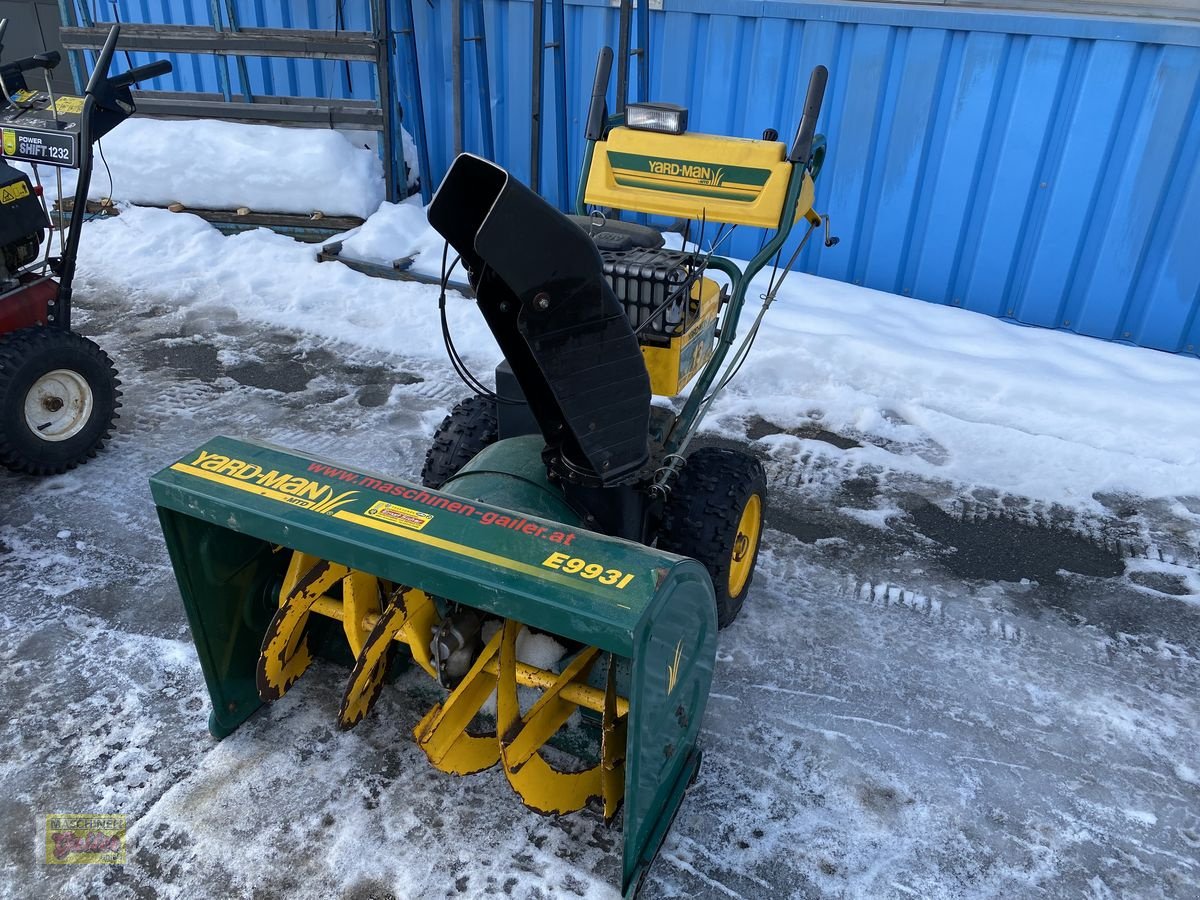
935	690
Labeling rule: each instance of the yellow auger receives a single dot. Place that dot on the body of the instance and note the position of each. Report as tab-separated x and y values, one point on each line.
561	510
374	613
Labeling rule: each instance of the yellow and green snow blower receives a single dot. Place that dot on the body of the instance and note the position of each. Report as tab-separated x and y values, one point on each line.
563	504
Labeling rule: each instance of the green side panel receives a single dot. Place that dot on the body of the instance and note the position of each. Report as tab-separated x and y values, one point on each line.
230	584
486	556
673	658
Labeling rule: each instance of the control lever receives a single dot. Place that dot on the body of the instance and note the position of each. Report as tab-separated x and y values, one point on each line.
830	241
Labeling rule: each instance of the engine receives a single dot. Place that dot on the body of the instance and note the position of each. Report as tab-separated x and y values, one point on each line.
23	222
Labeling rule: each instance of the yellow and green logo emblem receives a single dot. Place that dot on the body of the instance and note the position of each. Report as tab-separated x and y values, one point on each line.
10	142
673	668
685	176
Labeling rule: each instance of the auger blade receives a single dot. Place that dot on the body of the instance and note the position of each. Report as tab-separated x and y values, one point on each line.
360	607
443	734
285	655
409	618
539	784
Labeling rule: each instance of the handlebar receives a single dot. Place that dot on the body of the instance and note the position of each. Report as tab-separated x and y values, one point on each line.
597	109
802	146
142	73
38	61
100	73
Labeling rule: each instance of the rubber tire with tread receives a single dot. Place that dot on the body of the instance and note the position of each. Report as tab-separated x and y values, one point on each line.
25	356
471	426
703	513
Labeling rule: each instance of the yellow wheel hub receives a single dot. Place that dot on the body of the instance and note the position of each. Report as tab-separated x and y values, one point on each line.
745	544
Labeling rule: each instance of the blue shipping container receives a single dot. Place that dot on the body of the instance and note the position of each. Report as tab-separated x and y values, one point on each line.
1038	167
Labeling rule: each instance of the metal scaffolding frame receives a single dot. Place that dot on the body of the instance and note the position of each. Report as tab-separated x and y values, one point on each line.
226	38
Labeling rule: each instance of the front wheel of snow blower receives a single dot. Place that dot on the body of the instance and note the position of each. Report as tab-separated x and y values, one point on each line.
471	426
715	515
58	400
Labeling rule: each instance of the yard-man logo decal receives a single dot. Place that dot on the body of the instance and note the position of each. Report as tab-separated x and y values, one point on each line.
673	668
294	490
686	176
699	174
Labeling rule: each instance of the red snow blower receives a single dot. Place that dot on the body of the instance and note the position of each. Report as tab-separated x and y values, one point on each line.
58	390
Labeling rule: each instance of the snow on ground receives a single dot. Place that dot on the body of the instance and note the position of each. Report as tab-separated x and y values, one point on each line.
1045	413
272	279
227	165
968	666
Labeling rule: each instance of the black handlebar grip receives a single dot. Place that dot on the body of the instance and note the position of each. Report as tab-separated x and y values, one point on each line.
100	73
802	146
597	109
39	61
142	73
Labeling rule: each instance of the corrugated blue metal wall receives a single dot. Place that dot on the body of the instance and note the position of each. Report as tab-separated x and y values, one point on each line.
1037	167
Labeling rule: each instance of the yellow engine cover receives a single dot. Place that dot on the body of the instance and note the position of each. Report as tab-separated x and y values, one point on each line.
694	176
672	367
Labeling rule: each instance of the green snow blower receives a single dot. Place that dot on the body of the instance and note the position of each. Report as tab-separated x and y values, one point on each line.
562	503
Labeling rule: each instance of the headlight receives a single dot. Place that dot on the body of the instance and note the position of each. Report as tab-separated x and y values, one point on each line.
665	117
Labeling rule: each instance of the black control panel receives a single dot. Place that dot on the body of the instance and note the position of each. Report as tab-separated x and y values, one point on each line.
37	128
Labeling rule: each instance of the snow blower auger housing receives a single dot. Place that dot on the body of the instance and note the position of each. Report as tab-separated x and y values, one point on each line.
375	555
568	514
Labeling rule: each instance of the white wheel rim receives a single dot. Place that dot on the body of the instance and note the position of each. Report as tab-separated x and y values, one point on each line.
58	405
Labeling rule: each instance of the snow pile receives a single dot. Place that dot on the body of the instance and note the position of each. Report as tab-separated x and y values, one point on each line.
183	261
224	165
935	391
967	397
394	231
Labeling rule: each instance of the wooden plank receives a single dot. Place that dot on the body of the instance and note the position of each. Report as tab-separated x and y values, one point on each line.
288	111
295	43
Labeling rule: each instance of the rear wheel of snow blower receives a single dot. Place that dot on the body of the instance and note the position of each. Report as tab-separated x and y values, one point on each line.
58	400
471	426
715	515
